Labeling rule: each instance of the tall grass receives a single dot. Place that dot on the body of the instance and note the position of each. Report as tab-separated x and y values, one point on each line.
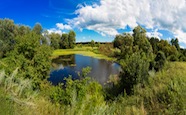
16	91
164	94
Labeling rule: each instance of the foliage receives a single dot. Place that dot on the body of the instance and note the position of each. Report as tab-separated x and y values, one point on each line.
160	61
81	94
118	41
85	71
129	44
165	92
64	41
68	40
135	71
154	42
55	40
71	39
32	58
17	92
17	87
175	43
8	32
22	30
92	43
37	29
106	49
141	41
164	46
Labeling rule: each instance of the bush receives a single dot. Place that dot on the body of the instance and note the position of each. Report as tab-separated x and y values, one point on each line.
160	61
173	58
135	71
106	49
165	92
76	91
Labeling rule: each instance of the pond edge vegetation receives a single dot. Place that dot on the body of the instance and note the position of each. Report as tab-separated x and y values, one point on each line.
153	80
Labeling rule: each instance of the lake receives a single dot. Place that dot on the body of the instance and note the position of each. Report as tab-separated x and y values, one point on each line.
63	66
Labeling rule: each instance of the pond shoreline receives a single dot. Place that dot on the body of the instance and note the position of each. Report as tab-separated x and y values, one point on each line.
101	69
85	51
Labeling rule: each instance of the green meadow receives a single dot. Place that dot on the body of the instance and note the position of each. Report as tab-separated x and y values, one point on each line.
85	51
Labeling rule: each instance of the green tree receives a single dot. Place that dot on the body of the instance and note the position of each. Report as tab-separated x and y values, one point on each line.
137	43
68	40
118	41
168	50
141	41
92	43
154	43
139	35
135	71
72	39
175	43
160	60
64	41
98	44
37	28
22	30
127	46
55	39
8	31
31	57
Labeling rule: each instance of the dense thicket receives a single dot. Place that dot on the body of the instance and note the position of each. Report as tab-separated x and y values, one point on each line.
139	54
26	52
64	41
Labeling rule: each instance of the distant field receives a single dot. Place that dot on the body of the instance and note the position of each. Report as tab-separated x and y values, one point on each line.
85	51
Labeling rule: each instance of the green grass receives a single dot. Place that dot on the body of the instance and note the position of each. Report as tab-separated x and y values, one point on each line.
85	51
164	94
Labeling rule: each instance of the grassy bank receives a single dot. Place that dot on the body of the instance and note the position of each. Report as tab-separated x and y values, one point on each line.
85	51
164	94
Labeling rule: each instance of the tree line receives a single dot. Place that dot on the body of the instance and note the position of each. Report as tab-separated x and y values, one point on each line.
138	54
29	49
64	41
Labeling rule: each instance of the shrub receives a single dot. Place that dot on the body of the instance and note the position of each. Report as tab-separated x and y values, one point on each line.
106	49
160	61
173	58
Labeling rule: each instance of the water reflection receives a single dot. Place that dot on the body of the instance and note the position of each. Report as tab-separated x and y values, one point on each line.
64	66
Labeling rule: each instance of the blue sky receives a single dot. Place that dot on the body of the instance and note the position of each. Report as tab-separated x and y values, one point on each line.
101	20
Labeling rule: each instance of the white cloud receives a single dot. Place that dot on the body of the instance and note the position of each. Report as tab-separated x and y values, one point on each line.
110	15
54	30
62	26
182	47
181	36
154	33
59	28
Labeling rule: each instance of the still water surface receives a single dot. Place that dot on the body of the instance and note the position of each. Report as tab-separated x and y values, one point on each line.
64	66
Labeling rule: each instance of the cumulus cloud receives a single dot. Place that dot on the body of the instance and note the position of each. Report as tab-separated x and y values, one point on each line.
54	30
59	28
110	15
154	33
181	35
62	26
